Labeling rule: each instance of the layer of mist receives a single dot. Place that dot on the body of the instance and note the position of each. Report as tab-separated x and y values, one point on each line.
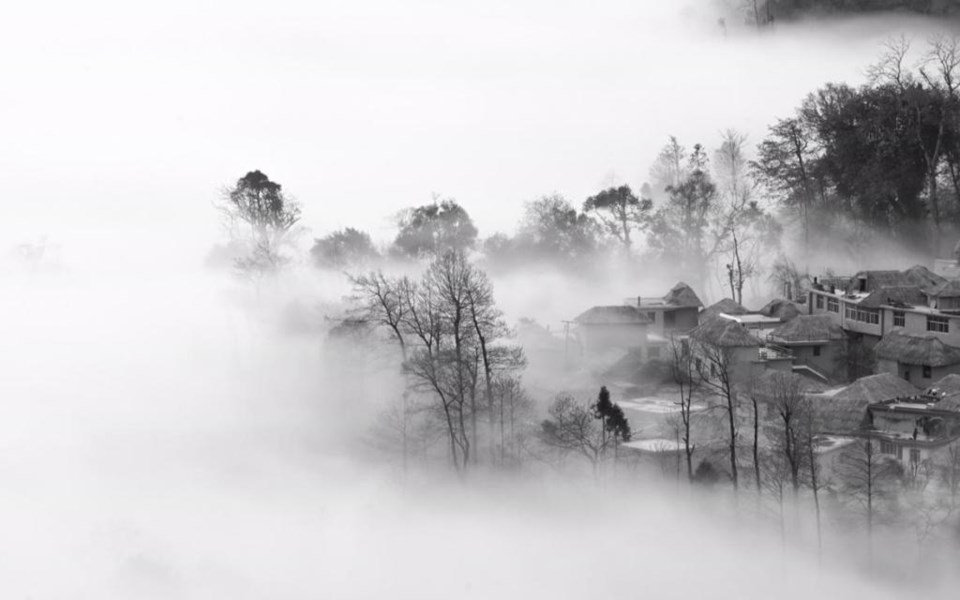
171	433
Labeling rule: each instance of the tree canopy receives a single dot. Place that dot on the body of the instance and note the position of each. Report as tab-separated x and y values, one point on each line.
346	247
432	229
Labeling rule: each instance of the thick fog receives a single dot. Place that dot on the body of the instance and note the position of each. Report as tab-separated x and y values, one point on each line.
162	441
169	433
137	117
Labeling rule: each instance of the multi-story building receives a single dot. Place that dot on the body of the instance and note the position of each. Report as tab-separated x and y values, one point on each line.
639	325
816	342
916	428
920	308
743	354
676	312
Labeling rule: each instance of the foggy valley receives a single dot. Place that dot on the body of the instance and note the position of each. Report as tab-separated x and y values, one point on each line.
481	300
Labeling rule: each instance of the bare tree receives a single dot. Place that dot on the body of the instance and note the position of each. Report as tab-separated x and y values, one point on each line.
745	230
776	479
789	280
514	408
790	406
866	477
488	328
715	368
809	424
668	170
948	467
384	301
572	427
688	380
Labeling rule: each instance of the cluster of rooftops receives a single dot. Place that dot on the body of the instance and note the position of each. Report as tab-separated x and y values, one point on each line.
831	315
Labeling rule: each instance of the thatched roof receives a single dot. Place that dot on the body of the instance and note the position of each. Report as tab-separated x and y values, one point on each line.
727	306
923	277
772	384
846	411
947	289
612	315
724	333
949	387
782	309
908	294
877	280
916	349
682	295
948	384
807	329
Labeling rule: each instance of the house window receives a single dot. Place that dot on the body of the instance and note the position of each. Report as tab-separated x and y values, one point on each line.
833	305
926	372
899	318
915	456
654	352
864	315
819	301
816	350
652	316
886	447
899	452
938	324
906	374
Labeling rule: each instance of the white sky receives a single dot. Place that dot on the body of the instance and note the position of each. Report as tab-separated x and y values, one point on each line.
117	118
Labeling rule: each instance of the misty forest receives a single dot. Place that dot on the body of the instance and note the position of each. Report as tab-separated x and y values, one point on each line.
515	301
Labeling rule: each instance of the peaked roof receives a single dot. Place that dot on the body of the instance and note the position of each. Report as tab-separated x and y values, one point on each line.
876	280
916	349
727	305
948	384
724	333
612	315
904	294
946	289
782	309
682	295
807	328
773	385
846	411
949	388
923	277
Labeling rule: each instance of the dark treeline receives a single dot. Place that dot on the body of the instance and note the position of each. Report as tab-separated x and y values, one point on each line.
884	157
766	13
881	160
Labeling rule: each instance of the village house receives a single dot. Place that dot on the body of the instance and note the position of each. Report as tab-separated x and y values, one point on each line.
873	303
745	355
642	326
759	323
782	309
606	329
842	413
920	359
918	310
816	342
726	306
914	429
676	312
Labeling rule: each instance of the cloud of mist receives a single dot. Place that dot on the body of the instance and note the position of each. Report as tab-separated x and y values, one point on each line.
162	440
165	435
